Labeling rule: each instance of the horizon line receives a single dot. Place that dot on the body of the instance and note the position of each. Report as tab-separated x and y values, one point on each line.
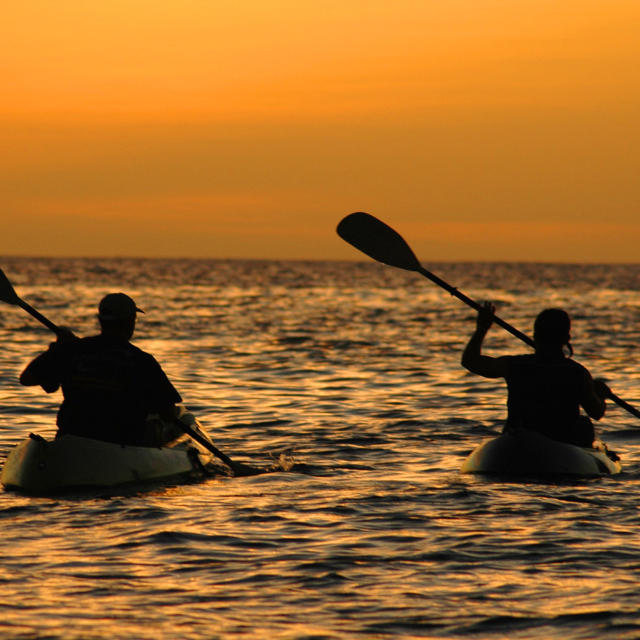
337	260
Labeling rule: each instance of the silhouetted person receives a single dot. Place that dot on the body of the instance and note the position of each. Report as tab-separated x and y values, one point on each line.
545	389
109	385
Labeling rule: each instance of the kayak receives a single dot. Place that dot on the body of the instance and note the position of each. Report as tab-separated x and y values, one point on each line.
523	452
42	466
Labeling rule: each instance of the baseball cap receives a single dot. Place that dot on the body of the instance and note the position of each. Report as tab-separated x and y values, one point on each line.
117	306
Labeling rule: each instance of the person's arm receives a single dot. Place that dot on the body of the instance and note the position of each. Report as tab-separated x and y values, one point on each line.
40	372
162	396
43	370
594	393
472	357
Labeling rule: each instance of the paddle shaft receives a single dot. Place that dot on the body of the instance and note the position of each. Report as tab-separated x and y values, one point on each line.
38	316
473	304
206	444
9	295
624	405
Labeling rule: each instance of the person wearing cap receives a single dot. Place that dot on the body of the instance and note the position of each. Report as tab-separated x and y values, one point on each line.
109	386
546	389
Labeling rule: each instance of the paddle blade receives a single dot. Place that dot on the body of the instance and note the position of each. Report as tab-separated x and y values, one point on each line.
7	292
378	240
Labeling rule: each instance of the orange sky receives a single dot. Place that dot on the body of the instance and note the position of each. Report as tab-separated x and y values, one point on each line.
479	129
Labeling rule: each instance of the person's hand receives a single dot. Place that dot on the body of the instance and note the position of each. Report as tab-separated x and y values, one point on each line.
601	388
486	316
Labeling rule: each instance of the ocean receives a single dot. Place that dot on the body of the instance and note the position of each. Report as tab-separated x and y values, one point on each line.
351	371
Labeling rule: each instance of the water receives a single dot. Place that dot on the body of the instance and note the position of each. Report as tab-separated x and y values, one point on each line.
352	371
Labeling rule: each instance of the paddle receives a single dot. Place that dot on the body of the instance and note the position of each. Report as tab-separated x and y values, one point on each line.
380	242
9	295
238	468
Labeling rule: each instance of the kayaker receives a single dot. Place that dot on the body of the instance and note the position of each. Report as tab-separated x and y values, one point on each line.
545	389
109	385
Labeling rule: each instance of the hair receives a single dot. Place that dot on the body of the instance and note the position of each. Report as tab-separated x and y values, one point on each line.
553	327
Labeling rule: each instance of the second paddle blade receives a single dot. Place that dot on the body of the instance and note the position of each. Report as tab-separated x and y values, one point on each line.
378	240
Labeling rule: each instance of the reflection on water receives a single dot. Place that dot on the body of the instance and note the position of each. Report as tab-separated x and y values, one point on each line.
352	369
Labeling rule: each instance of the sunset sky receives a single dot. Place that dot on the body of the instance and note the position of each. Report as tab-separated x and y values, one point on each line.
479	129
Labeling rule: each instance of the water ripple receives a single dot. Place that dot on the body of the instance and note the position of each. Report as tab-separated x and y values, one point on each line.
351	372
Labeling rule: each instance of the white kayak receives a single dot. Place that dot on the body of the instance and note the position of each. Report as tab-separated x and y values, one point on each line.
44	466
523	452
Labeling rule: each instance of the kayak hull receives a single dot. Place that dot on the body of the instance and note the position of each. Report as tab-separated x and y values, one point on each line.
527	453
37	465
